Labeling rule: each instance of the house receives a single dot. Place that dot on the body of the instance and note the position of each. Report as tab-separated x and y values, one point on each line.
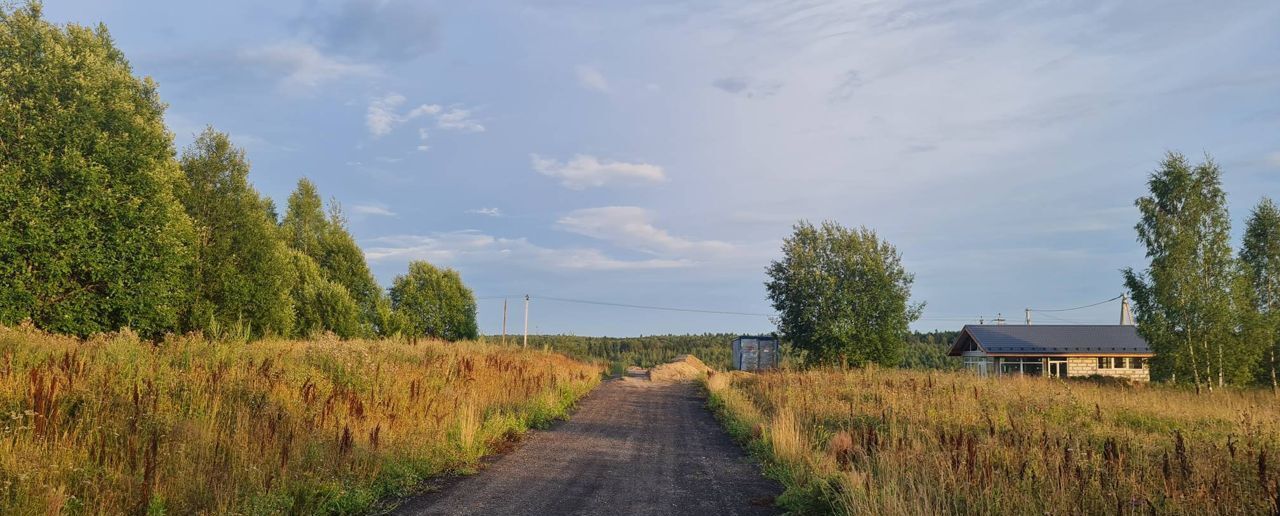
755	353
1054	350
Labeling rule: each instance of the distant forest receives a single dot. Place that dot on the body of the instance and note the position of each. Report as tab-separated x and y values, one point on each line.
922	350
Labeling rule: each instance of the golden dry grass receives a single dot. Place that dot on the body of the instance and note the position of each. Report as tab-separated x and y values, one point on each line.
880	441
115	425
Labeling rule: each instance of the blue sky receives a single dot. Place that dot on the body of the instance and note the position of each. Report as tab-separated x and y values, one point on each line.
656	153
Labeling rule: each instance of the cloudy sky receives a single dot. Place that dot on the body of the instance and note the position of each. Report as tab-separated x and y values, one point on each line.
656	153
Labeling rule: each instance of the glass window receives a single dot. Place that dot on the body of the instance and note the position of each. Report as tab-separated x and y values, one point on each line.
1138	363
1104	363
1119	362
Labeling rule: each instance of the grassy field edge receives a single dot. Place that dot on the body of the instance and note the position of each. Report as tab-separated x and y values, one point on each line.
804	491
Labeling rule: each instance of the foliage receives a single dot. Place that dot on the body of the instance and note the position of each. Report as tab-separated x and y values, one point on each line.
929	351
434	303
842	295
91	236
115	425
647	351
320	305
1260	254
1183	301
241	273
880	441
327	241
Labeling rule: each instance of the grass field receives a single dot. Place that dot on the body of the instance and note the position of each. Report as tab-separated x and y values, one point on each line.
116	425
881	441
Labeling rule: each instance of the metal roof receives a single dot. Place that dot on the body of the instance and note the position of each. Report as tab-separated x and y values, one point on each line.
1051	339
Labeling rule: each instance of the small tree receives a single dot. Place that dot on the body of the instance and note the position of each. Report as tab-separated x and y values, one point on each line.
241	273
842	295
1260	255
434	303
326	240
1183	301
319	304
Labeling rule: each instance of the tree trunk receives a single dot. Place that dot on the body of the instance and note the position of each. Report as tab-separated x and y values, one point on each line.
1275	387
1195	369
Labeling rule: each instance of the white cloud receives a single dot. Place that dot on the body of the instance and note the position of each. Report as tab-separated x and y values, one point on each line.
378	209
422	139
458	119
585	171
303	67
384	115
488	212
632	228
592	79
473	247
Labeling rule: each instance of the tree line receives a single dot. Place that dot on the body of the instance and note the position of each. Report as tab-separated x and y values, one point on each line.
103	226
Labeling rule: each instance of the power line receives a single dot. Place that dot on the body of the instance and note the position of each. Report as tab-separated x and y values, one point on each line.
649	307
1078	307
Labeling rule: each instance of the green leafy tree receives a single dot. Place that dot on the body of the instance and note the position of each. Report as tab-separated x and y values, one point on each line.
91	236
435	303
320	305
842	295
1183	301
326	239
1260	255
242	274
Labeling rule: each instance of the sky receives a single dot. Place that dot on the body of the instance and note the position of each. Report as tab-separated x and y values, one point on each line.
656	153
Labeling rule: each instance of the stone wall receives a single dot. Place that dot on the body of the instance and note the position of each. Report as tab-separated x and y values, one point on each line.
1086	366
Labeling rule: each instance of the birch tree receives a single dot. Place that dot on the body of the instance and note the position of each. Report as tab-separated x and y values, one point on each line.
1183	300
1260	255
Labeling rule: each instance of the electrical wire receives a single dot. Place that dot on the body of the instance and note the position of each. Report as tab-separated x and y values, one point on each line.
649	307
1078	307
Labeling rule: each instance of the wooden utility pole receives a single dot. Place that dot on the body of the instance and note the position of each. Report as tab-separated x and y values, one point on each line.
504	321
526	322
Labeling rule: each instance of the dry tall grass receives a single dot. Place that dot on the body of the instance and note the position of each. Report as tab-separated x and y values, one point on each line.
115	425
902	442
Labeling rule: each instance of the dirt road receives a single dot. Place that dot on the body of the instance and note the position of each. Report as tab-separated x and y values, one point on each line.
632	447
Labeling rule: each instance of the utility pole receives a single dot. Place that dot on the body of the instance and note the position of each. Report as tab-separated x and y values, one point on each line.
504	321
1126	317
526	322
1028	317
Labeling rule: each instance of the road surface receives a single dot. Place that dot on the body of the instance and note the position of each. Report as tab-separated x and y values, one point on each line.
632	447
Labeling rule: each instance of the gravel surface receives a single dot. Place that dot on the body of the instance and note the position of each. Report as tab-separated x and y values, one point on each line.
632	447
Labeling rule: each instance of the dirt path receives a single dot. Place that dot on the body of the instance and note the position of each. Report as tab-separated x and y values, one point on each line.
632	447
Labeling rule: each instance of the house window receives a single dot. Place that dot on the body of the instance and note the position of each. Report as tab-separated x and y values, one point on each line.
1118	362
1104	363
1137	363
1026	366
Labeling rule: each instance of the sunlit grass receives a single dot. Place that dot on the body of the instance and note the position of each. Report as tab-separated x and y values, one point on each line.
881	441
117	425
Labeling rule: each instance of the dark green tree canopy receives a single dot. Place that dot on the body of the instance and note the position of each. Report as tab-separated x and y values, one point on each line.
842	295
435	303
320	305
91	236
241	275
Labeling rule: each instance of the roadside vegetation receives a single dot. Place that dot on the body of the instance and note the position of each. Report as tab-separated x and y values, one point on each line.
884	441
114	424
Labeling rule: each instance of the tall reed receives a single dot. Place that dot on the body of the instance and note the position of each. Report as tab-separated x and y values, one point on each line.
879	441
114	424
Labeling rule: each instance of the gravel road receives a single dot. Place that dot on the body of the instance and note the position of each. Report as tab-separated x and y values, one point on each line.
632	447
